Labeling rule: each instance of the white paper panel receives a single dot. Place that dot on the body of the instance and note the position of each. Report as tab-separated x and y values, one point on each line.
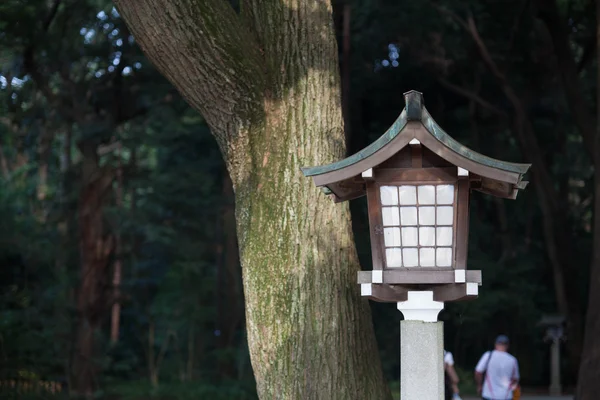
408	195
444	236
426	215
389	195
445	194
443	257
445	215
391	236
408	216
393	258
427	236
390	216
409	237
426	194
427	257
410	257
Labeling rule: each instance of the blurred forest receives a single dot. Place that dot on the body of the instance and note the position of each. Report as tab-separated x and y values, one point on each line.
118	255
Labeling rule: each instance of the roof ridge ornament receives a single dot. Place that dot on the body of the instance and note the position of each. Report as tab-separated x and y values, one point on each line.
414	105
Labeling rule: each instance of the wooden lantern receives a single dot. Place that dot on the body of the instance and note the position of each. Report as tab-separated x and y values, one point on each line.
418	181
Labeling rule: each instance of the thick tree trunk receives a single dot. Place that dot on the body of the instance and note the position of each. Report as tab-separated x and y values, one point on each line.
310	335
588	385
267	82
95	249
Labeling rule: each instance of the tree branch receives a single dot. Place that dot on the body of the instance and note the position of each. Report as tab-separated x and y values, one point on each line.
51	14
472	96
207	53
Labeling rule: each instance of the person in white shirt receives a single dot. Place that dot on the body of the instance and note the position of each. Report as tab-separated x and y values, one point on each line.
497	372
449	367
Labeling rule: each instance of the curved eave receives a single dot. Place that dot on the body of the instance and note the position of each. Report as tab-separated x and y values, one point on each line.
365	153
447	140
500	178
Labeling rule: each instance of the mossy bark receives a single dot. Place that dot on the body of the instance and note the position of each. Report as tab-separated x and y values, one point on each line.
276	107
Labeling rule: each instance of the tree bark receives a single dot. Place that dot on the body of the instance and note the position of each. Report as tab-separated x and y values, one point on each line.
95	248
118	265
274	107
588	385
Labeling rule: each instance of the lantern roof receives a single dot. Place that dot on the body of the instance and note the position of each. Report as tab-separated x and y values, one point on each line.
343	178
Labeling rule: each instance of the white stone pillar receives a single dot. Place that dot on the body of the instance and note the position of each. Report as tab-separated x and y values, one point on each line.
421	348
555	386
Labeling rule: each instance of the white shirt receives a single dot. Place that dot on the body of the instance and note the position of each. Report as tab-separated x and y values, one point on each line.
501	369
448	358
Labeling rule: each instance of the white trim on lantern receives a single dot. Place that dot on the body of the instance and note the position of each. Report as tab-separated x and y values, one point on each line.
460	276
462	172
366	289
472	289
377	276
368	173
420	306
414	141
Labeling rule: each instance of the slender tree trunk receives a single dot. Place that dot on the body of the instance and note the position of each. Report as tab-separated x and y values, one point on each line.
118	266
152	370
310	334
589	385
44	153
4	164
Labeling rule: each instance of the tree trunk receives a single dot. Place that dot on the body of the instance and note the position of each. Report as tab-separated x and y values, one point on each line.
588	385
118	265
267	82
309	333
95	249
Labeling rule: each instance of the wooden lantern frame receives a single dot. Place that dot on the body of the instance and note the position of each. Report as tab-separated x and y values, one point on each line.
416	151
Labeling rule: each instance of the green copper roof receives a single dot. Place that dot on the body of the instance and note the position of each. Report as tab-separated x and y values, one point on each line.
433	128
415	111
384	139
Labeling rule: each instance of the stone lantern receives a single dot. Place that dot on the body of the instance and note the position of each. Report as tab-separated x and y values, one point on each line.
555	333
418	182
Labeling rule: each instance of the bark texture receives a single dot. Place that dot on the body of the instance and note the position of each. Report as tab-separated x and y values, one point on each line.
95	247
588	385
266	79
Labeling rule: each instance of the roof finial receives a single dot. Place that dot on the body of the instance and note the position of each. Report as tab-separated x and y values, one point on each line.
414	105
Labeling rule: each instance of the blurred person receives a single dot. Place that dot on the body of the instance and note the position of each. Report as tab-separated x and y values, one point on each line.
497	372
450	377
